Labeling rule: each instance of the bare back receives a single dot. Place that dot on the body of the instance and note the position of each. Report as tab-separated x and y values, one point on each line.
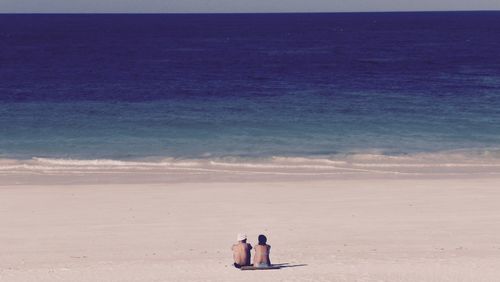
241	253
262	255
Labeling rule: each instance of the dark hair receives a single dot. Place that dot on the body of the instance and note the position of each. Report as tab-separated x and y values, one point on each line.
262	239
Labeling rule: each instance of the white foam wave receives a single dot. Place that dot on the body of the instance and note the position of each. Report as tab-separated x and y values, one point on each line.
449	162
306	160
271	166
108	162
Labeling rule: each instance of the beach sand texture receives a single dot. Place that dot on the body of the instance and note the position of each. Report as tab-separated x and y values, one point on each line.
381	229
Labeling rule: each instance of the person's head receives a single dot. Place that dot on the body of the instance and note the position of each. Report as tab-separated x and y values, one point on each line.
262	239
242	237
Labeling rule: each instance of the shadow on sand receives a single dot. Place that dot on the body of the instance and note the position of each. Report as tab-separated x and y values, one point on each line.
285	265
274	266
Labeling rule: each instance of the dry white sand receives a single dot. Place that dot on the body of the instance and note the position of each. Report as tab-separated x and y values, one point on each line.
382	229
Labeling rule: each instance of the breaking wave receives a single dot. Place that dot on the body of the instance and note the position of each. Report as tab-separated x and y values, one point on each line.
461	161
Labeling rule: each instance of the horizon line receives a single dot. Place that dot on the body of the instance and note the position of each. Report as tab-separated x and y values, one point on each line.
241	13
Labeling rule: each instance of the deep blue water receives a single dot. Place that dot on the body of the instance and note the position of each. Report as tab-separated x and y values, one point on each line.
256	85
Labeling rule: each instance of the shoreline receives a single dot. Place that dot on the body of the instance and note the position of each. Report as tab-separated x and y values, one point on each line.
138	178
463	165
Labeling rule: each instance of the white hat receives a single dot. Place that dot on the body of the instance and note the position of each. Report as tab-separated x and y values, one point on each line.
241	236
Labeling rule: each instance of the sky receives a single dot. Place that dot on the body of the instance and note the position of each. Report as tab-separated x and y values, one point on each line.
238	6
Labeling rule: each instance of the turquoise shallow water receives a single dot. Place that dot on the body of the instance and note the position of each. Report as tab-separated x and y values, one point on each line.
251	86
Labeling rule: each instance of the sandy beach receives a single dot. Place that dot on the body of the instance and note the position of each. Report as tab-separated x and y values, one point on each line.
350	229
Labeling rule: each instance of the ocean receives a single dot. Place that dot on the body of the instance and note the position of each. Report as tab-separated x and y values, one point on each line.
115	88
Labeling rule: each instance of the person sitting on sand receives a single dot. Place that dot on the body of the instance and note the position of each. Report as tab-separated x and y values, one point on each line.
241	251
262	250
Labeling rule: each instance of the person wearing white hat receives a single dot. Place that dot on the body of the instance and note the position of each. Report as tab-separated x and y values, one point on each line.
241	251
